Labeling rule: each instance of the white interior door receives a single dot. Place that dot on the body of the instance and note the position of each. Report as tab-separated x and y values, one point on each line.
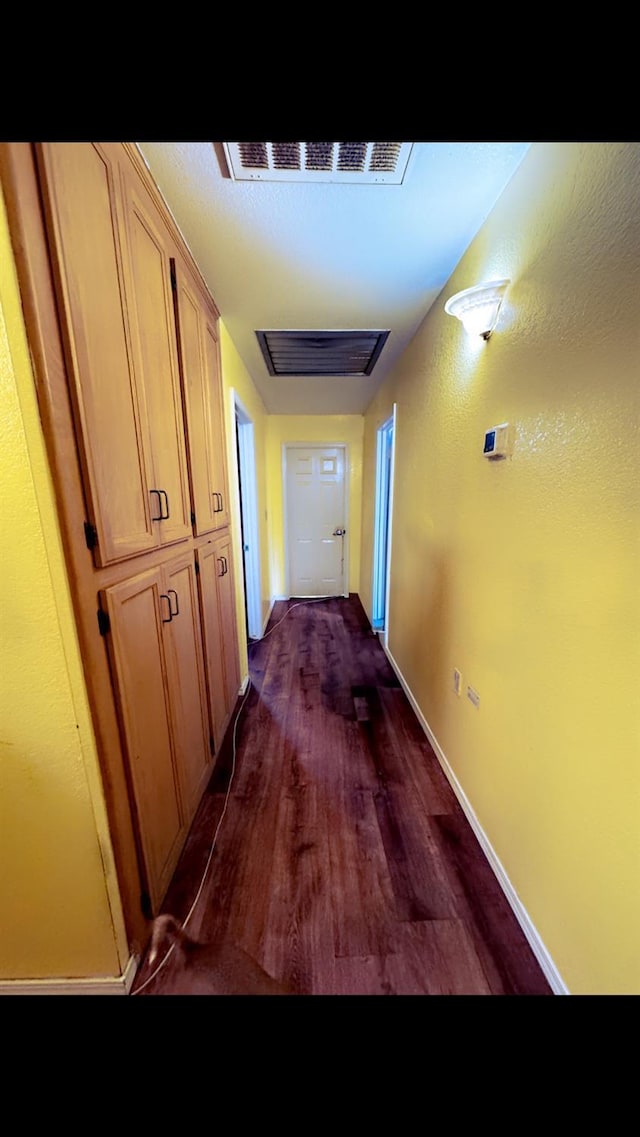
316	520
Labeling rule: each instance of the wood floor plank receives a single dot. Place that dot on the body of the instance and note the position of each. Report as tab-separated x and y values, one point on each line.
361	887
420	882
500	941
417	761
298	926
437	957
364	975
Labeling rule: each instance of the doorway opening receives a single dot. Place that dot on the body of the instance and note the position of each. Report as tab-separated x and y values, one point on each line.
248	492
382	523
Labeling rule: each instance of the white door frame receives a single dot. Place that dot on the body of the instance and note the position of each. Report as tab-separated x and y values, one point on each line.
246	481
382	526
347	539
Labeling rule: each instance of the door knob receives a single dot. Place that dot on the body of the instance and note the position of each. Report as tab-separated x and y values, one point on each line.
339	532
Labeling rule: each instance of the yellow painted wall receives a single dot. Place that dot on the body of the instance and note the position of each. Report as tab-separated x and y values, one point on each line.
237	379
525	573
60	916
282	429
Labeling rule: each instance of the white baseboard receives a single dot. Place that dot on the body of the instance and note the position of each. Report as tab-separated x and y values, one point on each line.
538	948
106	985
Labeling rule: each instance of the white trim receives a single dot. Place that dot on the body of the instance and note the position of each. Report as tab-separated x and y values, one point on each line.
377	531
387	614
246	482
381	483
549	968
116	985
346	497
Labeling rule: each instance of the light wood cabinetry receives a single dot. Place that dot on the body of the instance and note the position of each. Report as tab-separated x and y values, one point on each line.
152	319
137	432
200	351
80	184
136	609
156	652
186	667
215	565
112	261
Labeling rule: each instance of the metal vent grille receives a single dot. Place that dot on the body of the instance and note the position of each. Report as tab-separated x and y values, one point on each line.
373	163
321	353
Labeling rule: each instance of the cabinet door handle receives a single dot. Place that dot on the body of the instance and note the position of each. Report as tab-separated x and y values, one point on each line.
218	507
172	592
163	596
159	492
164	516
226	567
221	560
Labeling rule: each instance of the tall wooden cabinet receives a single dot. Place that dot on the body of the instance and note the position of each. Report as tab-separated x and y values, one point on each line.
200	352
155	645
149	293
112	263
142	361
219	622
137	608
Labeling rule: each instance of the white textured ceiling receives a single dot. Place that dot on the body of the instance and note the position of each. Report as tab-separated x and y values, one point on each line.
290	255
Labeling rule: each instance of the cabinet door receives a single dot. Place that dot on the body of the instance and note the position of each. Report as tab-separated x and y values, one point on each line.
137	608
218	433
83	206
199	355
227	605
188	689
220	638
150	297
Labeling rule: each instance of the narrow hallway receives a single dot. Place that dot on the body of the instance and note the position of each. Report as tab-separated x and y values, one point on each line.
343	863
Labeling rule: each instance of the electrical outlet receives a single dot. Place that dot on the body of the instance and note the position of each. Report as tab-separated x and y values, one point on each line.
473	695
457	681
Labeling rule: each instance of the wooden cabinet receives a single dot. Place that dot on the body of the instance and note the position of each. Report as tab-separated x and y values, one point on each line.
155	645
112	263
137	608
136	421
188	690
152	317
220	630
204	408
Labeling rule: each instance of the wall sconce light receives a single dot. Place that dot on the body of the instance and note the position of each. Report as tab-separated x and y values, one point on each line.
477	308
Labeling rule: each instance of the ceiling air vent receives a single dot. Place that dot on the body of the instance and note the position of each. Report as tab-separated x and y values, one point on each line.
321	353
369	163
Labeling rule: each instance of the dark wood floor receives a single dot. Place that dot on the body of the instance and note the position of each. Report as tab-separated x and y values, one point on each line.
343	863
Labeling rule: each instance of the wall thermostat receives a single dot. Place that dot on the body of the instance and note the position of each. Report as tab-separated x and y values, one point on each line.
497	441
